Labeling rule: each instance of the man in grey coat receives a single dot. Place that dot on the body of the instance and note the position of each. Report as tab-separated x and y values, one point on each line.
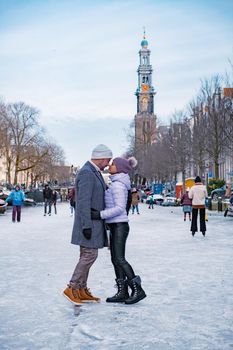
89	234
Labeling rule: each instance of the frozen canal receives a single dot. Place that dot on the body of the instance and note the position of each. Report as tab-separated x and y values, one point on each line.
188	281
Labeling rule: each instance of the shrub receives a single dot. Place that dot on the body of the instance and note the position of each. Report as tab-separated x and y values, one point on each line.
215	183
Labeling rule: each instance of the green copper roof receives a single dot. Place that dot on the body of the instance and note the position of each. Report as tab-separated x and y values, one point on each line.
144	43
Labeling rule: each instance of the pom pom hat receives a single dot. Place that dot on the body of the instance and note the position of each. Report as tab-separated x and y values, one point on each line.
125	165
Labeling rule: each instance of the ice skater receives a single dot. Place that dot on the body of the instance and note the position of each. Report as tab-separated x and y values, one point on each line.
198	194
151	202
186	203
47	195
230	205
54	200
71	198
17	197
135	200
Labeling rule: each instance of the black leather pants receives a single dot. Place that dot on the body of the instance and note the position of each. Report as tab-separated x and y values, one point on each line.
118	235
194	220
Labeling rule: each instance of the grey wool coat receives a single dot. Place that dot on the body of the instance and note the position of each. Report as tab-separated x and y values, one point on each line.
89	193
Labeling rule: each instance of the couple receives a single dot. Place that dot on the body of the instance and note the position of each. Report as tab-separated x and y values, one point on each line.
96	205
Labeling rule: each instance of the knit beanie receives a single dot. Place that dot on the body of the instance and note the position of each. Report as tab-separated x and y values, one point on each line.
197	179
125	165
101	152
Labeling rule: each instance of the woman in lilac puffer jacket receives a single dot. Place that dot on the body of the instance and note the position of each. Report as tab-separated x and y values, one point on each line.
115	216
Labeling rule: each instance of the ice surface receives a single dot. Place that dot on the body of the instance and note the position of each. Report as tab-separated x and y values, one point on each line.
188	281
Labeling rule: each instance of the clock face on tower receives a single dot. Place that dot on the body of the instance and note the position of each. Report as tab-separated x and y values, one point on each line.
145	87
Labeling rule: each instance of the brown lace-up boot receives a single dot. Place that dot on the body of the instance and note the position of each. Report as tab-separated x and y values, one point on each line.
86	296
71	294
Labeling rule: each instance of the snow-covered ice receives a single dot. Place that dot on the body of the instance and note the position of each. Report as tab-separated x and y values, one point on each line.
188	281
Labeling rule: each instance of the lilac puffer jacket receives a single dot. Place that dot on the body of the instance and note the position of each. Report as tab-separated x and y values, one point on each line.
116	198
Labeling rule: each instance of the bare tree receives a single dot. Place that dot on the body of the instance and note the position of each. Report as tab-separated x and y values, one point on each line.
227	106
202	135
199	132
46	168
227	115
216	124
26	136
2	126
179	139
23	143
138	149
6	141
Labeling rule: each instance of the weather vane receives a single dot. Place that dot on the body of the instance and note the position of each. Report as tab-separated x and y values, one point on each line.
144	32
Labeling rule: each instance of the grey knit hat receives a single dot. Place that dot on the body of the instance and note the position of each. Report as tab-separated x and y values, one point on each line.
101	152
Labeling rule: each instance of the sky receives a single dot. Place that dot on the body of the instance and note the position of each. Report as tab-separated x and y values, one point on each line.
76	61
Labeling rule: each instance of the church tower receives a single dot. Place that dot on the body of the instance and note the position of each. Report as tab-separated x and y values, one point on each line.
145	119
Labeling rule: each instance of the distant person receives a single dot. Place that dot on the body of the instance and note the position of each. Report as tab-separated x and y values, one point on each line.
115	216
206	206
54	200
89	234
198	194
151	202
17	197
229	205
135	200
47	195
186	203
228	190
71	198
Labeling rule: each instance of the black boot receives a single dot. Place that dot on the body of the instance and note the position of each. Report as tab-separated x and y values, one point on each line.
122	293
137	291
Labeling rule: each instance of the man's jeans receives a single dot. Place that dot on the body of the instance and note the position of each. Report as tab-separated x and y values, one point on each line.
16	212
87	258
135	206
47	202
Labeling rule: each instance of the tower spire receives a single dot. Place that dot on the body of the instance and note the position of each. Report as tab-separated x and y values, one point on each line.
145	119
144	32
144	42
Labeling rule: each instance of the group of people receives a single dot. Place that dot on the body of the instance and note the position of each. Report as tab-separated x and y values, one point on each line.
98	208
50	200
193	201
